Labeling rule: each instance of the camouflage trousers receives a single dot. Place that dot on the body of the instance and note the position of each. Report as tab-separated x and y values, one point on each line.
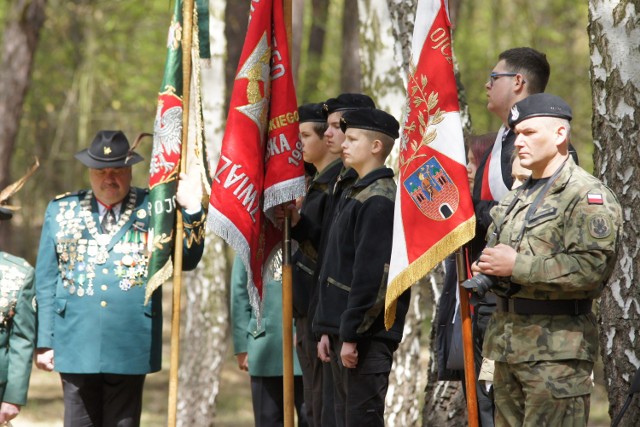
545	393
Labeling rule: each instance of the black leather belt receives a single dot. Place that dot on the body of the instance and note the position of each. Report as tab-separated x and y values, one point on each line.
571	307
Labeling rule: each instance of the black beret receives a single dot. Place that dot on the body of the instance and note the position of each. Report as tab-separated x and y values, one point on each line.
539	105
346	102
370	119
311	113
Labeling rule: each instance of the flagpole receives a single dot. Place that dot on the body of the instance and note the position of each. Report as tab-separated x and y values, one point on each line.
187	22
467	342
287	283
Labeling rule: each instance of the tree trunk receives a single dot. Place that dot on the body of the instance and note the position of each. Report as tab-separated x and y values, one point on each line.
350	74
315	49
24	19
204	337
614	37
407	379
380	64
236	20
444	403
297	28
206	314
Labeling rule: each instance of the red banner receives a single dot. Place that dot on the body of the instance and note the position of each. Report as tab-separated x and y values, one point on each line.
260	164
434	212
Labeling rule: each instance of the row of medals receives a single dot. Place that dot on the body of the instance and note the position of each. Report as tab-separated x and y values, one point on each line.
78	256
11	279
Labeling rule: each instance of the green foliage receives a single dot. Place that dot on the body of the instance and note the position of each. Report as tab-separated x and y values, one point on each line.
316	89
99	65
557	27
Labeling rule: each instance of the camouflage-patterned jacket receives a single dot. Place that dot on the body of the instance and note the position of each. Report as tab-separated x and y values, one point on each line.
568	251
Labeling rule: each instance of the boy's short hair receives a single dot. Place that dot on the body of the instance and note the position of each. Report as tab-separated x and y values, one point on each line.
387	141
320	128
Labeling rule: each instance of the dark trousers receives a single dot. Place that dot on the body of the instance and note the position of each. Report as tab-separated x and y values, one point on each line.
268	401
317	378
102	400
364	388
486	405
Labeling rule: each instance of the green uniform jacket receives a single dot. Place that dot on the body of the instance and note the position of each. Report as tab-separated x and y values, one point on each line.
91	287
263	344
17	328
568	251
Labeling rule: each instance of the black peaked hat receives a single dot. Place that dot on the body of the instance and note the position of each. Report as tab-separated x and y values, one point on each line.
311	113
346	102
109	149
371	119
539	105
5	213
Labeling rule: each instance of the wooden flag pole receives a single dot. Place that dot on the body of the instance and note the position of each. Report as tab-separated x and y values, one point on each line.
287	323
467	343
287	283
187	25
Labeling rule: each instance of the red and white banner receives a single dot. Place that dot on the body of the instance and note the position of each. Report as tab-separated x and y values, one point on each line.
433	212
260	163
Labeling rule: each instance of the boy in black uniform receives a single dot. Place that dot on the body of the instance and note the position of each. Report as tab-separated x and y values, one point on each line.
310	230
333	109
353	278
306	232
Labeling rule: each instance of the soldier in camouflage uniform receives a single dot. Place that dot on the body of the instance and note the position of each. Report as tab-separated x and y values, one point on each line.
557	237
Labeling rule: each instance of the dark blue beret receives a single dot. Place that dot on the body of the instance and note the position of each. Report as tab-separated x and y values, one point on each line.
539	105
346	102
311	113
370	119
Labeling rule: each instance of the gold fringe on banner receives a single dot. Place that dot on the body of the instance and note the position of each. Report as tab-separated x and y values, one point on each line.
423	265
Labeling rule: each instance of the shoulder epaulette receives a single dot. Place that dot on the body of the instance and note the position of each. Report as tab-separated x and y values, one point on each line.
69	193
16	260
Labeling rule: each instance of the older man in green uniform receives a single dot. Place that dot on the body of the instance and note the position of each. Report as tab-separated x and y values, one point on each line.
557	237
17	330
258	347
93	325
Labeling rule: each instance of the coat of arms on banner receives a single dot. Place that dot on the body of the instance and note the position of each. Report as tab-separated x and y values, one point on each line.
433	191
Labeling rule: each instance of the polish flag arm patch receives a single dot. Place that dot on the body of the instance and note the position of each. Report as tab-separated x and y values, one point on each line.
595	199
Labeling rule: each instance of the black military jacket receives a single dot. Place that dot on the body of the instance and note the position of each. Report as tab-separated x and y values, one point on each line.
307	233
353	277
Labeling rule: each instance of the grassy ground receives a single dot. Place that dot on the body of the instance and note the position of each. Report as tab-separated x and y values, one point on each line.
233	405
44	408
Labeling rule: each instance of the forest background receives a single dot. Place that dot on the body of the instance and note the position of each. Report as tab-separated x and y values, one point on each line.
99	64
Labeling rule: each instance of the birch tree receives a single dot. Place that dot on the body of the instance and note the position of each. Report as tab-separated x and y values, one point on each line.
206	315
614	32
383	77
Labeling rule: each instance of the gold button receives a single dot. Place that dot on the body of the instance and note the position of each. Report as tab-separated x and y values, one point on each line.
103	303
104	287
105	271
